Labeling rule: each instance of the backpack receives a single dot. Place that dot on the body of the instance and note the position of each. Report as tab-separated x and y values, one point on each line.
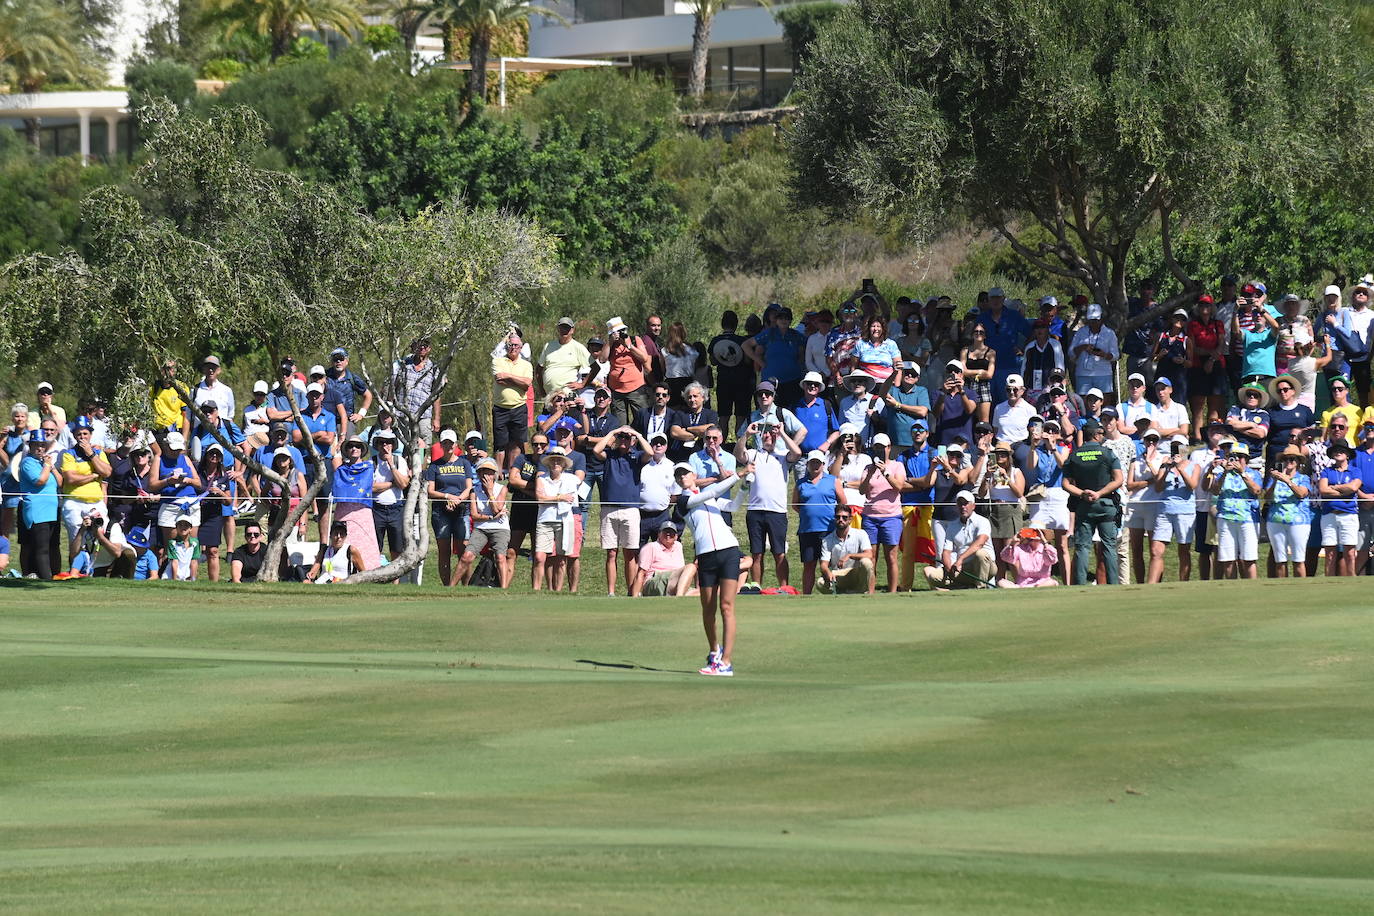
484	573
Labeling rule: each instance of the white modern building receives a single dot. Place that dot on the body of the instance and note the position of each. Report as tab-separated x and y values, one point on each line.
748	56
95	124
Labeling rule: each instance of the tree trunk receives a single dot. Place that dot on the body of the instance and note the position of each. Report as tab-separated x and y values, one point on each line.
478	47
701	46
282	39
31	126
416	548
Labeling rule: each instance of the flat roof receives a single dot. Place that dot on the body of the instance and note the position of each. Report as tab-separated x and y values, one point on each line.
532	64
63	104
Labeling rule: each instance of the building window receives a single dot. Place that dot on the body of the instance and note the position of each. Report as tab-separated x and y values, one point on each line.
607	10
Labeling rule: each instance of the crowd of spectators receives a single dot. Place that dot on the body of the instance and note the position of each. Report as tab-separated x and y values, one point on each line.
1014	445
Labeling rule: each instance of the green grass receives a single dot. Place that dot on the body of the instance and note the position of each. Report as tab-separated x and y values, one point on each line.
1172	749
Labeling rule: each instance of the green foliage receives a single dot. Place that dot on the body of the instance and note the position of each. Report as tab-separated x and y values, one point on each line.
1093	117
221	68
674	283
295	95
802	22
44	41
304	48
595	195
632	105
384	37
40	198
160	79
279	21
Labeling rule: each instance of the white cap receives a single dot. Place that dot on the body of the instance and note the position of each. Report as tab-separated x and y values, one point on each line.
1179	438
277	453
1048	300
176	441
996	293
955	364
1332	290
316	370
1094	312
314	388
471	434
1135	375
813	377
448	435
880	439
815	455
1093	393
1015	381
955	447
909	366
42	385
682	467
261	387
187	519
849	429
964	496
1180	313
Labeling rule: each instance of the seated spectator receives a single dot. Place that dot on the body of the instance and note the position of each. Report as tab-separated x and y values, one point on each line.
966	560
145	562
4	557
337	559
245	564
1030	561
663	570
183	552
846	558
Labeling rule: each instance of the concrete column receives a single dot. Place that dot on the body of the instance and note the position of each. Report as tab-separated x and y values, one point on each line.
85	135
112	137
502	81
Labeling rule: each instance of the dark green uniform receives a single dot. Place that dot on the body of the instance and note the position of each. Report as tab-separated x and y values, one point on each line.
1091	467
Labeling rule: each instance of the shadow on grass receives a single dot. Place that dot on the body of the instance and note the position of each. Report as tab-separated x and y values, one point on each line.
631	666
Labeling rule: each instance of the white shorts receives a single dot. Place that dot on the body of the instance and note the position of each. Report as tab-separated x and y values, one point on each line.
1340	529
73	509
548	538
620	529
1237	541
1052	512
168	512
1288	543
1141	516
1175	528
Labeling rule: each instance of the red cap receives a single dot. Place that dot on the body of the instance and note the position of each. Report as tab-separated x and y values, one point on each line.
1204	298
1249	289
1080	299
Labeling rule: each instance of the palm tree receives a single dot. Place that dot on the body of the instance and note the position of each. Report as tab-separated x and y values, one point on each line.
703	14
406	16
480	19
36	45
280	20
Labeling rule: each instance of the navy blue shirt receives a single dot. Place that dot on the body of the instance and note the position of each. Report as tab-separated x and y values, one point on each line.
620	479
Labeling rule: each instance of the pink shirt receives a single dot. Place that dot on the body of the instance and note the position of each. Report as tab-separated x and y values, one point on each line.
653	558
1030	564
884	500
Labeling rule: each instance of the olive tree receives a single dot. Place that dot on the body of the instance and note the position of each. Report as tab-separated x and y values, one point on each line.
1098	120
205	243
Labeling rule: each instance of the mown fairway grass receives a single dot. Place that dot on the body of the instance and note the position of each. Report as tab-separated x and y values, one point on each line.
1178	749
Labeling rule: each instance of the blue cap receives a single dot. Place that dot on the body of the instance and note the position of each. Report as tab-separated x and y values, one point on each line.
1261	287
82	422
338	351
138	537
919	424
1163	380
38	435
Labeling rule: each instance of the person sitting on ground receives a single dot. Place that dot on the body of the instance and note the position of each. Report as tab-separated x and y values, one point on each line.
337	559
1030	560
245	563
846	557
967	560
183	552
663	570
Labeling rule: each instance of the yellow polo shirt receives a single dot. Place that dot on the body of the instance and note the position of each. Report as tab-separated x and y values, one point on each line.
90	492
509	395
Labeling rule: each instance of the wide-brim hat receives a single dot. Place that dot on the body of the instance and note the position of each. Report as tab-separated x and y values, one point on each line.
554	456
1273	385
856	377
1252	386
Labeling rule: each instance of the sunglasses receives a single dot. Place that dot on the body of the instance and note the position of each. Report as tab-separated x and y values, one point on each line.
1284	387
661	394
668	534
765	394
539	443
1339	388
253	534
